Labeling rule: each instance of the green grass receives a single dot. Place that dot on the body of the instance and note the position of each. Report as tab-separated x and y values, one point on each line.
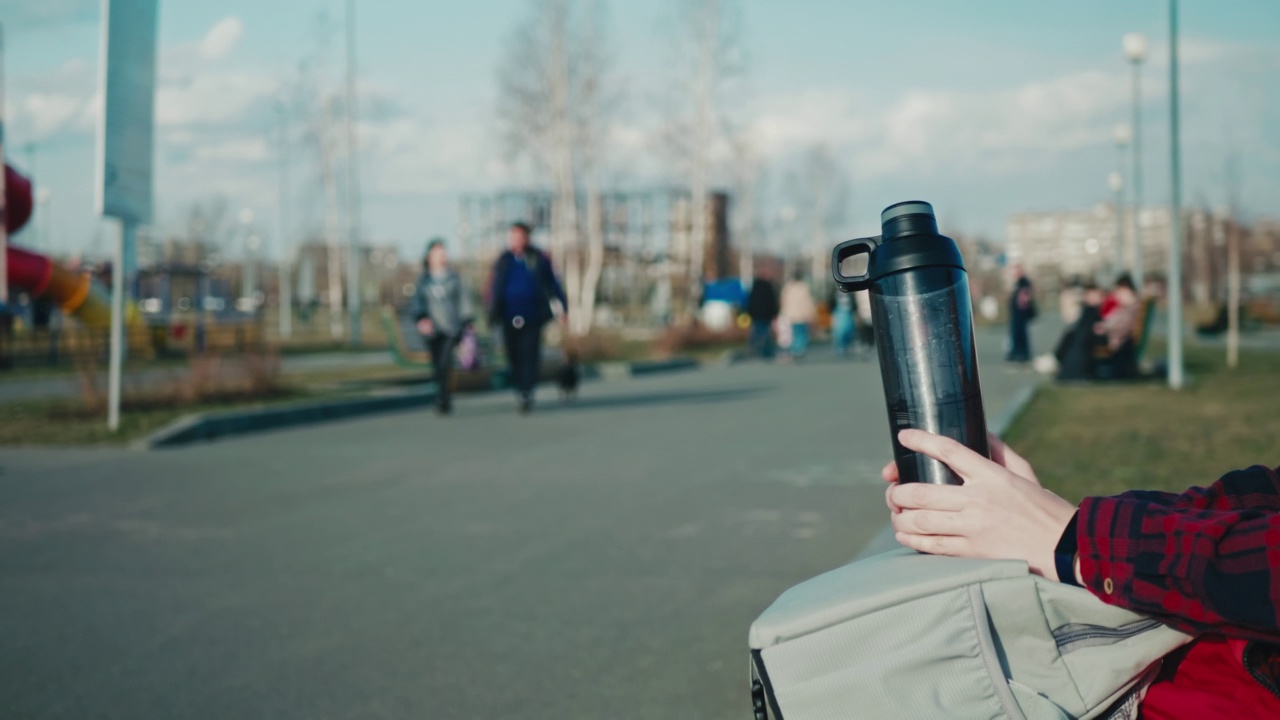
1105	439
66	422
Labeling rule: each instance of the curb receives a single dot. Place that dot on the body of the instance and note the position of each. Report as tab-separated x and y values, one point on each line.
212	426
883	541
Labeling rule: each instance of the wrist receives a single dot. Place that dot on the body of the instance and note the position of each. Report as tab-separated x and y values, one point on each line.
1066	558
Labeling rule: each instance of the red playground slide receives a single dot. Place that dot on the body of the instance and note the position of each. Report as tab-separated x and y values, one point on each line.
77	293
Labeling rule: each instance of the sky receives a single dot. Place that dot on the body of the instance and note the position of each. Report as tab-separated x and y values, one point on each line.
983	107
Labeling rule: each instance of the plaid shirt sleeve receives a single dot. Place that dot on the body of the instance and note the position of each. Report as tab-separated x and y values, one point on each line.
1207	560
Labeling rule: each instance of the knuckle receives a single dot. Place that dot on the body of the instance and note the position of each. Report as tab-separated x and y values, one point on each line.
912	494
926	523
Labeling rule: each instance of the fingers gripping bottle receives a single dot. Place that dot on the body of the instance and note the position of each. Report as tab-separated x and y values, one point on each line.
922	316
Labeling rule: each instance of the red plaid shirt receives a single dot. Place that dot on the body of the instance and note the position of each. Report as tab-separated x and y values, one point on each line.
1205	561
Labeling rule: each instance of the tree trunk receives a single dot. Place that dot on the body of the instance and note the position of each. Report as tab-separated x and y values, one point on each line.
334	255
586	310
564	221
1233	294
706	85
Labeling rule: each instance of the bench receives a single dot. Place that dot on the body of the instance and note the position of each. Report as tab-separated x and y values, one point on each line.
1107	361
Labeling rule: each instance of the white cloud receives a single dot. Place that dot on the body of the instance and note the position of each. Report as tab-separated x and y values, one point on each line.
234	150
222	38
209	99
47	113
927	129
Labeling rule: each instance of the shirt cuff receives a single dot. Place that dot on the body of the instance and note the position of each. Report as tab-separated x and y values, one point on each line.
1105	567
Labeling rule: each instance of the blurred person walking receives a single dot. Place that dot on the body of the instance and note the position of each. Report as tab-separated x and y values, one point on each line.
1022	310
843	321
798	311
442	311
520	295
762	308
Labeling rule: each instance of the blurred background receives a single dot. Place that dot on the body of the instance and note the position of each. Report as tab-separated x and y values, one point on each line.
605	557
787	127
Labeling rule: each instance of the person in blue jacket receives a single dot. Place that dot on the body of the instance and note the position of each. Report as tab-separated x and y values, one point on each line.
520	296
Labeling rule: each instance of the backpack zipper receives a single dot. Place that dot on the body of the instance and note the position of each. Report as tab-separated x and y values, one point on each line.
1254	672
1074	636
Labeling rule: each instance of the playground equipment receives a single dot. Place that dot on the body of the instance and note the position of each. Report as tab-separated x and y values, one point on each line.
78	294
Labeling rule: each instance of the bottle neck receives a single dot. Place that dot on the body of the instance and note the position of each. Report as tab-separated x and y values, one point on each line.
910	225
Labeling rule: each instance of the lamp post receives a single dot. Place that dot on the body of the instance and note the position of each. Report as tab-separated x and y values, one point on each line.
1175	220
1122	136
1135	49
1116	183
247	275
283	277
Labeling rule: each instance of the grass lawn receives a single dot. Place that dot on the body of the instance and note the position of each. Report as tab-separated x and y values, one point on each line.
1105	439
65	422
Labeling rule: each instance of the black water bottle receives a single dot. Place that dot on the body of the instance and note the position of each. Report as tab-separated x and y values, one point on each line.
923	321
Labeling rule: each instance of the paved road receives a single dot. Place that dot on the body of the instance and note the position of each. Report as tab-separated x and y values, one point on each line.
595	560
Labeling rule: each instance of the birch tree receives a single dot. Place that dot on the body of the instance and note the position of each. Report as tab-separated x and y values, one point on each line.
708	57
747	172
822	195
552	110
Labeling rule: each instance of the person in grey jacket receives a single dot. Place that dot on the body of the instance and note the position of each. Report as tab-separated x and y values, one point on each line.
442	311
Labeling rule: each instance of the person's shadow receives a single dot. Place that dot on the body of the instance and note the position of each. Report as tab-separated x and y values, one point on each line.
666	397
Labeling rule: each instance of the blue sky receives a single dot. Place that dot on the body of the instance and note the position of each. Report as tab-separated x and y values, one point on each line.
985	107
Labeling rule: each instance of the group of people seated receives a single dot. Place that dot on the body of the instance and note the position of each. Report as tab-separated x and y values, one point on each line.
1101	338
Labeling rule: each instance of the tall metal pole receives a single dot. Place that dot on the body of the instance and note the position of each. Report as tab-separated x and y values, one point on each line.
1137	175
1175	222
4	227
353	182
124	239
1116	181
285	329
1233	268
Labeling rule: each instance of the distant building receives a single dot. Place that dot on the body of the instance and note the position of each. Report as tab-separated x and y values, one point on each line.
1055	246
383	273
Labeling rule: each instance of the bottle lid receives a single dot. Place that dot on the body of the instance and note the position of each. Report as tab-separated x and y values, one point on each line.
908	207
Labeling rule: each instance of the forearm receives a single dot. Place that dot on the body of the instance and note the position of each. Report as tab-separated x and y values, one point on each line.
1199	570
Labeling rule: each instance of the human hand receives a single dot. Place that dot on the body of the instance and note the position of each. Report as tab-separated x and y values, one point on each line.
425	327
1001	454
997	514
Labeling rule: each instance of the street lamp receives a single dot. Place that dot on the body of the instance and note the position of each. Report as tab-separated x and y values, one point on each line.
1116	183
247	278
1174	284
1135	50
1122	136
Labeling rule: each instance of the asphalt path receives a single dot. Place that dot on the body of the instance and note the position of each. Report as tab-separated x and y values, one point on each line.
598	559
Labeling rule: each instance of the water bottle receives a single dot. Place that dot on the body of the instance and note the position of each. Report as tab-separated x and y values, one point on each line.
922	316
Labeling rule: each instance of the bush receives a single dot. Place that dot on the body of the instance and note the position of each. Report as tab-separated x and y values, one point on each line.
595	346
694	337
207	379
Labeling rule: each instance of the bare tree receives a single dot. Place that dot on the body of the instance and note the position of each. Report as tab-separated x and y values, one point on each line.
821	195
747	172
708	57
318	101
555	110
1233	261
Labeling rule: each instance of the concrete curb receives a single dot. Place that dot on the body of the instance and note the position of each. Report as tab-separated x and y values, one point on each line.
228	423
883	541
211	426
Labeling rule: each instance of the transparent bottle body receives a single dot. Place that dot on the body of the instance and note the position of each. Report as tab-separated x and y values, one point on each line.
923	320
